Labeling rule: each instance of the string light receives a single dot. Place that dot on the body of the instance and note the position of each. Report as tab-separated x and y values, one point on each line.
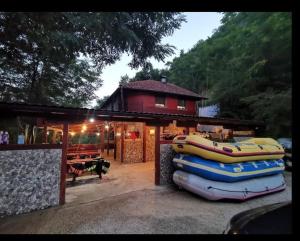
92	120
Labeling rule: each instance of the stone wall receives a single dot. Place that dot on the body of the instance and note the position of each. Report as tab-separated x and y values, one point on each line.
29	180
150	144
133	150
166	167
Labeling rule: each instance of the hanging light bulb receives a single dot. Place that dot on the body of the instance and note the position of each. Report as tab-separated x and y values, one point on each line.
92	120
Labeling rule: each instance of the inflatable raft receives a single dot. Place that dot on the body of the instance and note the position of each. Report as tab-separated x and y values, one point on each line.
250	150
227	172
242	190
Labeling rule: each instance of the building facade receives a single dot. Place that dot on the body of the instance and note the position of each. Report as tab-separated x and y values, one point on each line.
150	96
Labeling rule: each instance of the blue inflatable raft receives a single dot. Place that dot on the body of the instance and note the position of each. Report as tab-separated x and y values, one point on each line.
222	172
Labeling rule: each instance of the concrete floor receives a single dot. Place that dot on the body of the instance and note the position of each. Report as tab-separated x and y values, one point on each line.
121	178
132	204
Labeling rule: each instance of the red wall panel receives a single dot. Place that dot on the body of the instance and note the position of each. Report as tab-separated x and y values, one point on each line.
142	102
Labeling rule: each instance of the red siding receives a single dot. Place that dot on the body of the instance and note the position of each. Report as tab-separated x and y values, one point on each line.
146	103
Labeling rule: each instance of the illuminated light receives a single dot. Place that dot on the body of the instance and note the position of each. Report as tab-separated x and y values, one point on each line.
82	131
98	134
118	134
72	133
84	127
152	131
106	126
48	133
92	120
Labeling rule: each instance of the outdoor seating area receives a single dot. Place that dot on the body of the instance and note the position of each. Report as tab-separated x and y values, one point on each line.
146	122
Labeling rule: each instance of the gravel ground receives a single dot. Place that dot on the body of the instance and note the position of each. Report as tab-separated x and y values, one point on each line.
149	210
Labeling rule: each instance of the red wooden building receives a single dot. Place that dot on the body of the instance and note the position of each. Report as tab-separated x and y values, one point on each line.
150	96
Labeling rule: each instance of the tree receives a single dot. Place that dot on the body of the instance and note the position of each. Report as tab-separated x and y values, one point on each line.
245	67
148	73
124	79
56	58
101	101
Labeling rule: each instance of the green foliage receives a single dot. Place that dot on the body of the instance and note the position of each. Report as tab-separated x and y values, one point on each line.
124	80
99	102
245	67
149	73
57	58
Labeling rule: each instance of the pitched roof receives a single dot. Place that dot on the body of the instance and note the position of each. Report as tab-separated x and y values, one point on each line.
158	86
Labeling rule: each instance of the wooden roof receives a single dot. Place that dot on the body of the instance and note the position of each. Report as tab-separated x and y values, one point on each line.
78	115
160	87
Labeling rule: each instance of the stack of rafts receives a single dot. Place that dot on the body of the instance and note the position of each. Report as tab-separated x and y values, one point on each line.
239	170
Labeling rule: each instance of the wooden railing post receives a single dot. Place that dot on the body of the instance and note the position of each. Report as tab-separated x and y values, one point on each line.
63	169
157	155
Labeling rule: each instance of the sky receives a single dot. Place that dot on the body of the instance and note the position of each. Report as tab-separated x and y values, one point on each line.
199	25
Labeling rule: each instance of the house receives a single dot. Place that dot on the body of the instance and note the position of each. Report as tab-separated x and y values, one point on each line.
142	127
151	96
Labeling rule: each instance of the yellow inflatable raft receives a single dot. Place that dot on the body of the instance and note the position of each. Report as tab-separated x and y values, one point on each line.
249	150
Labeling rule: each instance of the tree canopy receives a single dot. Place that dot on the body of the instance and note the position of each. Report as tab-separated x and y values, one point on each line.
245	67
57	58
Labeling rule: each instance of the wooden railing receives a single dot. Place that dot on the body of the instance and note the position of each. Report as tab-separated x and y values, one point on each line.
29	146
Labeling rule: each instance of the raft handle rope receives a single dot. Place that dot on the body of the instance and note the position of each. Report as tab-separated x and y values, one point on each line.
227	149
268	189
237	147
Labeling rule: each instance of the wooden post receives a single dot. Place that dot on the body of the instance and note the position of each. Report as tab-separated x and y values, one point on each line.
45	136
122	142
115	142
102	140
144	142
107	146
157	155
63	169
187	130
54	137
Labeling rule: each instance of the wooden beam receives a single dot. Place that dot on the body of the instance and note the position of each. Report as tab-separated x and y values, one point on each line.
102	139
144	142
45	136
107	146
63	169
115	142
122	142
187	130
54	137
157	155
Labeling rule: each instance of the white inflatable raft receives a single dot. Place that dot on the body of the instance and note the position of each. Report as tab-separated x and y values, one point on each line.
242	190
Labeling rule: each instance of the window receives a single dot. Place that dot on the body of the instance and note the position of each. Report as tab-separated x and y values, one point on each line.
160	101
181	104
